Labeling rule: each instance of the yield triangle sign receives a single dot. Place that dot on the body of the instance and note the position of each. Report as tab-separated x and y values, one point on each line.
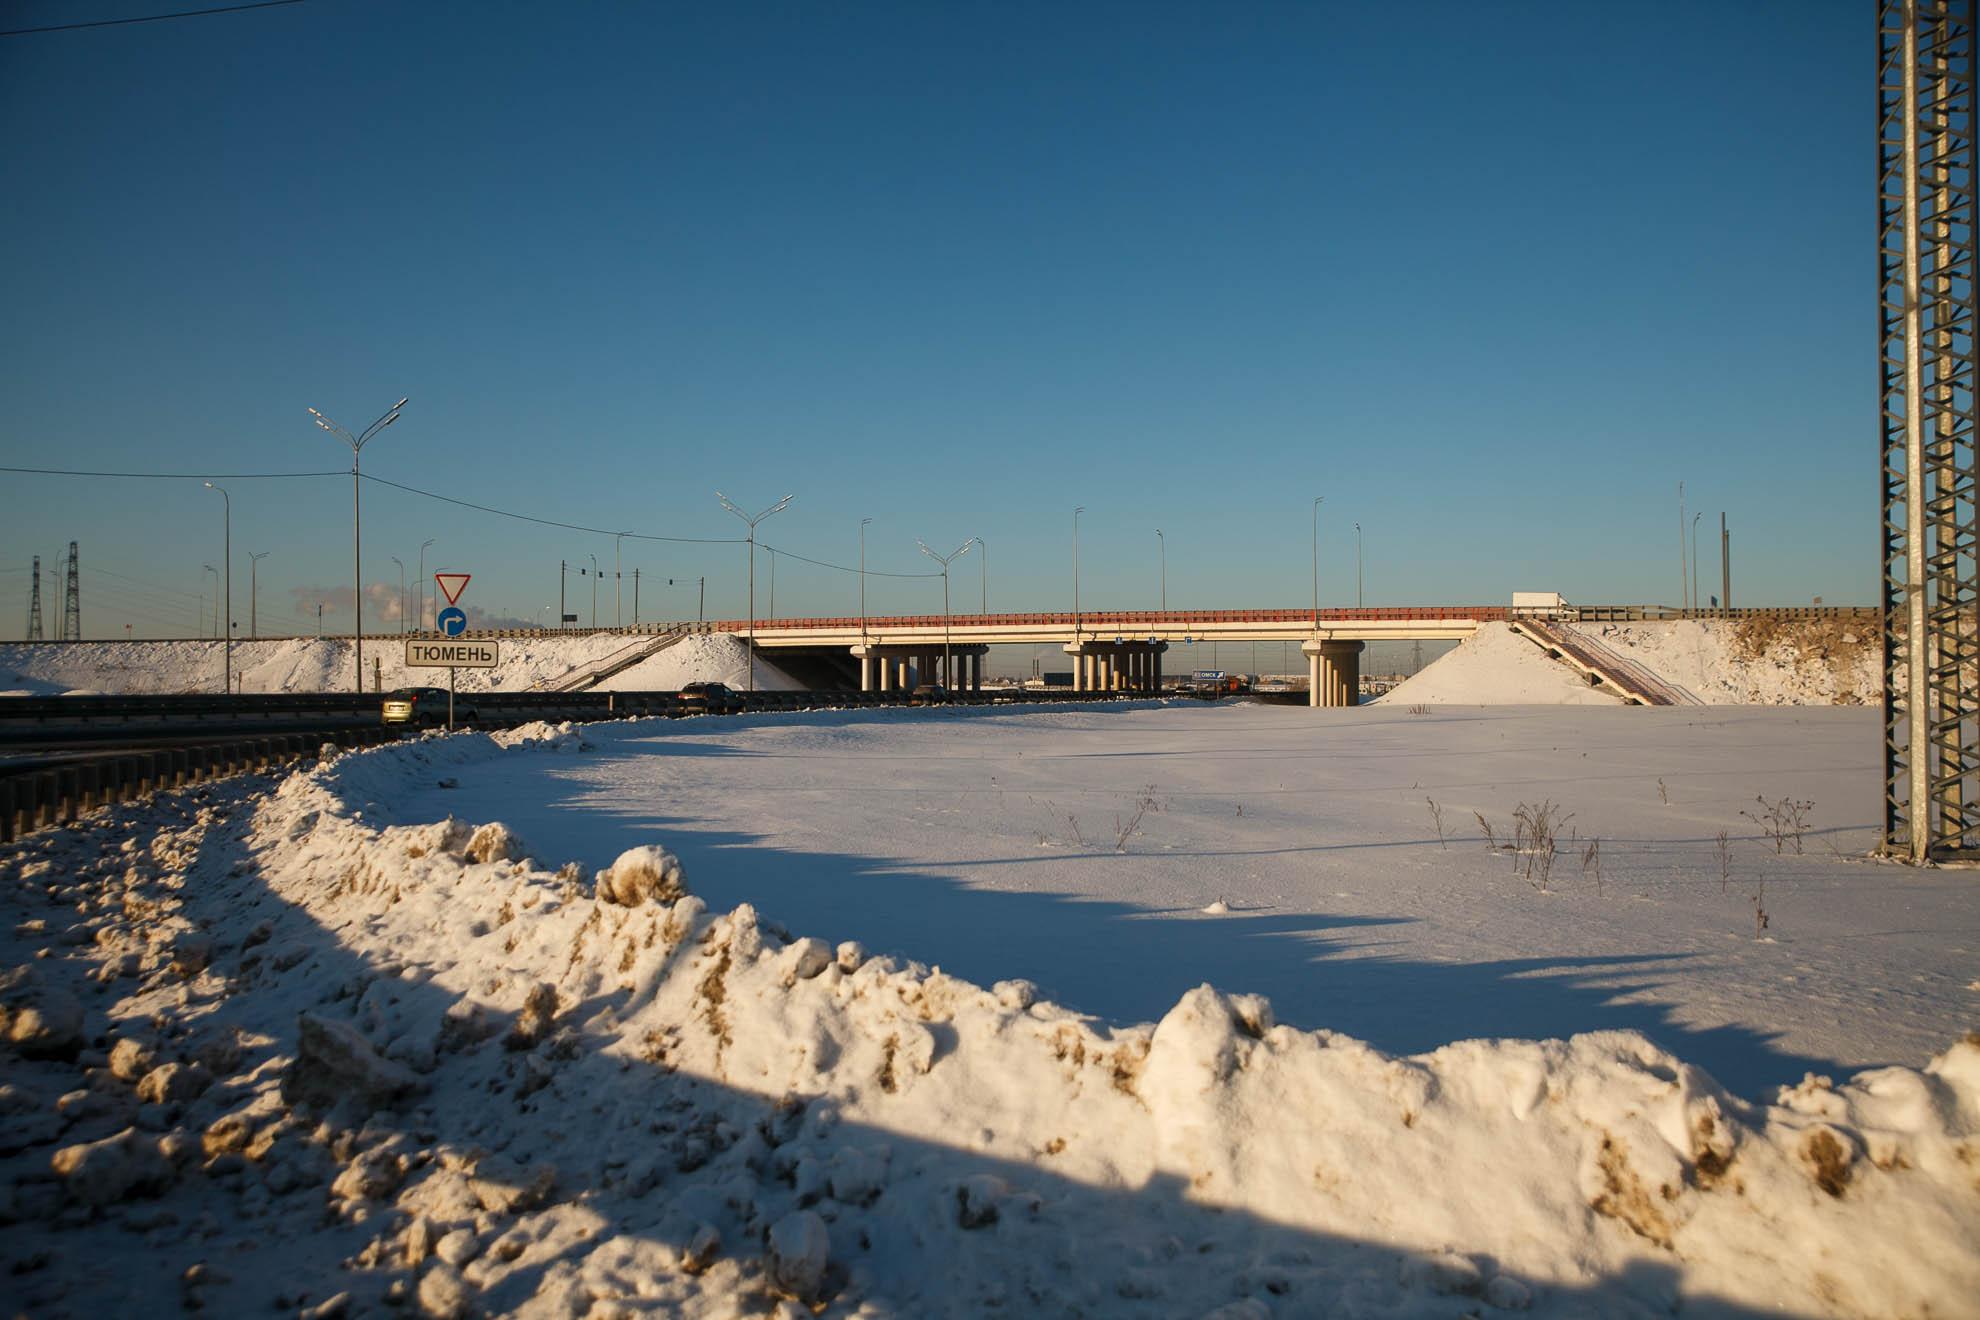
452	584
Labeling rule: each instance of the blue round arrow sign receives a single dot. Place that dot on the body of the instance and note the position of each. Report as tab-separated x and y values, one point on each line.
452	621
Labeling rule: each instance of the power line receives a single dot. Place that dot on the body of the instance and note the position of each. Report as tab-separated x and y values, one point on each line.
172	476
551	522
871	572
148	18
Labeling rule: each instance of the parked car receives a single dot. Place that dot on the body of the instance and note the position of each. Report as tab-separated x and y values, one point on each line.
928	694
708	697
426	705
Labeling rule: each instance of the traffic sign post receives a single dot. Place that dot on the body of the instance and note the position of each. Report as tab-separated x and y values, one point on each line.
451	656
452	622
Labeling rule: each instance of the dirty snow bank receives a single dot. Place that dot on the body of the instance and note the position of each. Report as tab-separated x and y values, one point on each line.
1496	667
309	664
1759	662
555	1100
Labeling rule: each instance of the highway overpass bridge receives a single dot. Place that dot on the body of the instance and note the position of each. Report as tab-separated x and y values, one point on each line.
1111	651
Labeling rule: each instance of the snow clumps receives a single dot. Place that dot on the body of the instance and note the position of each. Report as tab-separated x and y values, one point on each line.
648	874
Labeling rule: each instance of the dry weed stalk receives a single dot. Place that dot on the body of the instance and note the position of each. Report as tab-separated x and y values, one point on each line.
1535	827
1781	821
1591	856
1437	818
1725	862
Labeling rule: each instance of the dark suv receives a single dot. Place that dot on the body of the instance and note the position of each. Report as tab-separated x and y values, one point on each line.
711	697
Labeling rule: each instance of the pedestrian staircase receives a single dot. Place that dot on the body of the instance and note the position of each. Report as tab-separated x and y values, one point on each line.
1635	683
594	672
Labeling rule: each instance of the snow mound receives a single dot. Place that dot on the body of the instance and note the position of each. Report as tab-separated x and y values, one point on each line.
1496	667
327	664
524	1098
1758	661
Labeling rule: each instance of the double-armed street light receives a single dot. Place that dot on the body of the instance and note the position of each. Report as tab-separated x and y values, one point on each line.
357	444
402	593
419	624
227	558
750	522
1076	512
254	593
1318	500
862	579
948	661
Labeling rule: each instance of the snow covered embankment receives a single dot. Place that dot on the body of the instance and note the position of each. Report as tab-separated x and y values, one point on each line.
1760	660
532	1091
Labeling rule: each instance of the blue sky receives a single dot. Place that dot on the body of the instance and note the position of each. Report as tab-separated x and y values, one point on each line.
1492	278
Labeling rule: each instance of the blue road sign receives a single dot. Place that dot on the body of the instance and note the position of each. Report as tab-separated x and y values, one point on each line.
452	621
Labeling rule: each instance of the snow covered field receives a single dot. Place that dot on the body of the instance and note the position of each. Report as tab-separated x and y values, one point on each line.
327	1041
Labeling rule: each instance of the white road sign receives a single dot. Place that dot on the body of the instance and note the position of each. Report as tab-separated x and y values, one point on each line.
452	655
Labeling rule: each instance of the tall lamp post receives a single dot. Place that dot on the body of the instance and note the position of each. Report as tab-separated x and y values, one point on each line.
1162	549
227	558
948	661
419	624
1076	512
983	576
750	522
1318	500
254	591
213	630
618	584
357	444
594	590
402	593
862	579
1357	565
1694	558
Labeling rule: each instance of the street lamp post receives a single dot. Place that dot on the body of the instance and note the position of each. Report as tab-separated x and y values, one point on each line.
1318	500
213	629
1162	548
618	584
1076	512
948	660
402	593
1694	557
227	557
254	591
357	444
594	590
750	522
1684	570
1357	565
862	579
419	624
983	576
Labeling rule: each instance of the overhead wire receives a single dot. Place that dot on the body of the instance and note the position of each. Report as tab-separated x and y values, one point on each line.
465	504
149	18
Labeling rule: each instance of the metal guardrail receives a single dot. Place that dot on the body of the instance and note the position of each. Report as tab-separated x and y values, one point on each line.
41	797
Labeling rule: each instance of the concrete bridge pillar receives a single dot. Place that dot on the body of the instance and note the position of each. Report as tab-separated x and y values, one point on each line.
1156	680
1077	650
867	655
1333	671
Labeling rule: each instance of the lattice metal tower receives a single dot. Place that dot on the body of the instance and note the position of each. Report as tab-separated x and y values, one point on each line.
1925	270
72	600
34	604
